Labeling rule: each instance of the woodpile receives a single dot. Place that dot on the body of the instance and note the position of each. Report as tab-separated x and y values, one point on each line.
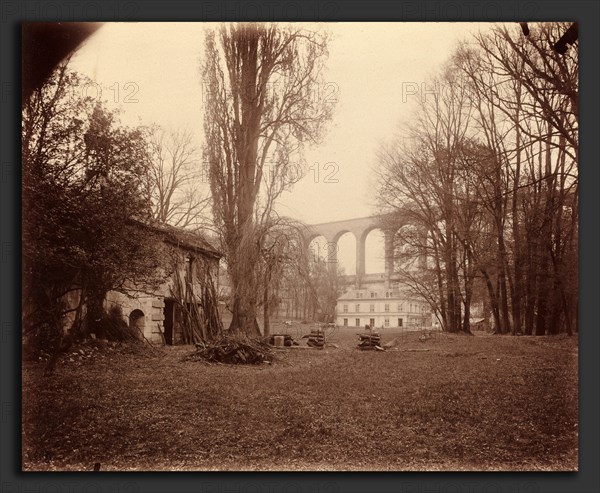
233	350
370	340
316	338
288	340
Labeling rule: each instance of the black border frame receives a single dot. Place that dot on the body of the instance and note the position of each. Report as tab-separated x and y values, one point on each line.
14	12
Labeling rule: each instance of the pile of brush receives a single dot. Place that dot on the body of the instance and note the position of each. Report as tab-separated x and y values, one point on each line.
371	340
233	350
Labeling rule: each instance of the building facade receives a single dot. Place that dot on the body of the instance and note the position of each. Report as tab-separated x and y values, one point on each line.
374	299
155	312
381	308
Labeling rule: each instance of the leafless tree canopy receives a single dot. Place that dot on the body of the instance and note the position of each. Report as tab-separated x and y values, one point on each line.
489	171
260	111
175	179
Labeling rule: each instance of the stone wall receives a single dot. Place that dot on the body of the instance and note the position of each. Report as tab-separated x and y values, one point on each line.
147	310
151	306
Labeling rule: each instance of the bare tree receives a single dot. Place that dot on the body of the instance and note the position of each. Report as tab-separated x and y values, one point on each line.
525	97
490	170
260	82
281	255
174	177
421	183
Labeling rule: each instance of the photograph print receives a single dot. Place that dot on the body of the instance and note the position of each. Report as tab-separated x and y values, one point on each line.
278	246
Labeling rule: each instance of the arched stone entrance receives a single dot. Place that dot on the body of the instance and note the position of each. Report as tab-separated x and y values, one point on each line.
137	322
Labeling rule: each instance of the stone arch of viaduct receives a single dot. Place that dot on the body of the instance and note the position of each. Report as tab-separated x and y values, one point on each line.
360	228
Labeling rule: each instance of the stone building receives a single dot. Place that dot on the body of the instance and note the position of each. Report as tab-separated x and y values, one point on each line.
153	312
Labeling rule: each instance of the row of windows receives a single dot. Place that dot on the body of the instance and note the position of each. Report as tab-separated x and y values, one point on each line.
388	294
386	308
386	322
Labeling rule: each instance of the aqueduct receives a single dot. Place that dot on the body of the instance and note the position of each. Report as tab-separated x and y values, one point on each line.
360	228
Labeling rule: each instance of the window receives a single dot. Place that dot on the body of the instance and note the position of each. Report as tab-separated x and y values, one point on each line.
387	322
372	322
410	308
357	308
371	308
387	307
399	307
358	322
189	265
345	308
345	322
387	294
399	322
357	294
372	294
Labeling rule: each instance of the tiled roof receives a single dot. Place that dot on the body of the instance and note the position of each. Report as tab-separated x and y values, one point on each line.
191	240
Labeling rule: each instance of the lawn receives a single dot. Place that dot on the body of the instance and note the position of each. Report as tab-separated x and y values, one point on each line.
451	402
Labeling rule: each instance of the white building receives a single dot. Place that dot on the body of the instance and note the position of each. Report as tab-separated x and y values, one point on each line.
381	307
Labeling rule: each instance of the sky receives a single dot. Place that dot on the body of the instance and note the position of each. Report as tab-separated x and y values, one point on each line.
376	73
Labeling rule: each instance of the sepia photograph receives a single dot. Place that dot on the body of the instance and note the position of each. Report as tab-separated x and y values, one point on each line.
300	246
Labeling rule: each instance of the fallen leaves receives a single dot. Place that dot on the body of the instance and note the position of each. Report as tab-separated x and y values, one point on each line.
342	409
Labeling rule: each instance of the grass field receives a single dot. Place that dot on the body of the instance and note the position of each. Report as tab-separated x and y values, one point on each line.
467	403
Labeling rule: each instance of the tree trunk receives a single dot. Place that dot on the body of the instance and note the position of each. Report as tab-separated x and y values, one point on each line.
531	284
440	286
243	320
95	313
266	324
516	227
452	297
468	287
493	301
502	287
487	312
545	246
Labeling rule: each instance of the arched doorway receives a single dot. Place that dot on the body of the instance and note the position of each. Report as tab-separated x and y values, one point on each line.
137	322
